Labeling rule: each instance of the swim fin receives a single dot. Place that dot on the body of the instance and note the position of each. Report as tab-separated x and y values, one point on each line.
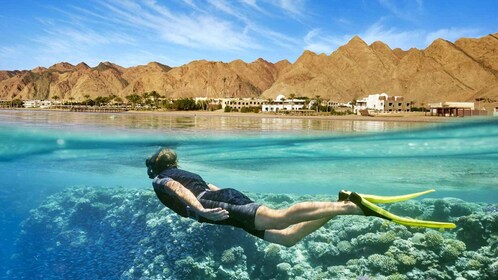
371	209
344	195
368	211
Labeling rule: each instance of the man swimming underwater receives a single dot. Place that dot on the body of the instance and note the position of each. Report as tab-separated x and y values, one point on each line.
189	195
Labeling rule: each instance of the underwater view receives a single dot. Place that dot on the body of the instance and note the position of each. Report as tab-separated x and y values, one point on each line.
76	201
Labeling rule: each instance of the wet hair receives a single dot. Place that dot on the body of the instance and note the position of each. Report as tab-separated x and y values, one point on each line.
162	159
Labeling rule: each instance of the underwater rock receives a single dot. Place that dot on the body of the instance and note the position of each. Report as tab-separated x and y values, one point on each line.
433	240
406	208
344	247
452	249
383	264
234	264
478	230
110	233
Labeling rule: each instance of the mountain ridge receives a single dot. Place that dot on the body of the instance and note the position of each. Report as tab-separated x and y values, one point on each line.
444	71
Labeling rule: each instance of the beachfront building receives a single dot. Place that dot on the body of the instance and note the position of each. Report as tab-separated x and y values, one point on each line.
280	103
37	103
453	109
336	105
495	112
239	103
31	103
382	103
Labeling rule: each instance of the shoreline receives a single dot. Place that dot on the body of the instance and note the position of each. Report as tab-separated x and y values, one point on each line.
385	117
397	117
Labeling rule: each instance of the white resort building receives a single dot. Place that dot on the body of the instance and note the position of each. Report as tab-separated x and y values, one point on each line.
283	104
233	103
239	103
382	103
37	103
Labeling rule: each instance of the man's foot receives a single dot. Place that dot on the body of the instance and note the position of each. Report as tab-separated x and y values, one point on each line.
343	195
357	199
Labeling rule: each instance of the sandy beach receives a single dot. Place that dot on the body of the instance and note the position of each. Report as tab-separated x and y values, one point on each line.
383	117
396	117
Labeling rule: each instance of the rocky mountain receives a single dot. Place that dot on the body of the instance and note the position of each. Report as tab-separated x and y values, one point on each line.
444	71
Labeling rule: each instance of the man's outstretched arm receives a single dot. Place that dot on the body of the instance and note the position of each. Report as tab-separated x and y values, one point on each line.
176	188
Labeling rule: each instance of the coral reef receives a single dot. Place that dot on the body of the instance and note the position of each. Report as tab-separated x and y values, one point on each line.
109	233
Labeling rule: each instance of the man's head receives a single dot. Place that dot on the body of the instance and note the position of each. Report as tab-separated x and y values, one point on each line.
162	159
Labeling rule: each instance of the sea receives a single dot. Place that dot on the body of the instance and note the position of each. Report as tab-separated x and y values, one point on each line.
43	153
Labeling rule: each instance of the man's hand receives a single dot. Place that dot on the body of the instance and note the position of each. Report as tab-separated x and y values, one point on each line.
214	214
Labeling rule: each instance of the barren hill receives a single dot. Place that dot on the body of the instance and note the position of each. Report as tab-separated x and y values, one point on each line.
465	70
444	71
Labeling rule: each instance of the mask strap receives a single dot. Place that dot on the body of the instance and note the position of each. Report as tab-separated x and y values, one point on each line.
150	164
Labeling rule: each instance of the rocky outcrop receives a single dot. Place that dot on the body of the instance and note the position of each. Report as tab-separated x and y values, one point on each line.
463	71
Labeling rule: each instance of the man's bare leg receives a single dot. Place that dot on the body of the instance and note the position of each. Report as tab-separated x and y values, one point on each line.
290	236
267	218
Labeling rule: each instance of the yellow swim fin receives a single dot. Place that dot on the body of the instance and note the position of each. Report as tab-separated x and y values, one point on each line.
386	199
371	209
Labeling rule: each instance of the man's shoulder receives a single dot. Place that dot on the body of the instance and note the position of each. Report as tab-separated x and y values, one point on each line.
160	181
177	172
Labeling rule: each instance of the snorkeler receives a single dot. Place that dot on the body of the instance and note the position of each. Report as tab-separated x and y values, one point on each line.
189	195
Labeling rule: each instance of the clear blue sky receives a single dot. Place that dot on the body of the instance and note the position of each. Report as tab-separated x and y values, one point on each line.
175	32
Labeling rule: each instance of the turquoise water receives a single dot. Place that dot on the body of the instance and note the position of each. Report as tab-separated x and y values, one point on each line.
42	153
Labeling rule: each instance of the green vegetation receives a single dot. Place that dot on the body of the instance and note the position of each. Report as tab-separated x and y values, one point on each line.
418	109
184	104
134	99
333	112
150	101
15	103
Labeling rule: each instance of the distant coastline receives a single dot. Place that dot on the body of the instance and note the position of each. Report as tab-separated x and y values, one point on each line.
396	117
386	117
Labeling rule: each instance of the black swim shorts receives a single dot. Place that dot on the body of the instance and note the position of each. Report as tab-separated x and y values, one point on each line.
241	209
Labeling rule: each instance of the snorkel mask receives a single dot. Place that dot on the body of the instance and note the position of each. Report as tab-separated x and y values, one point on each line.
150	163
162	159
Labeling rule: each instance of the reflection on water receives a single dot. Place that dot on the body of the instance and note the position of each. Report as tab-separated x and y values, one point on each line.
219	123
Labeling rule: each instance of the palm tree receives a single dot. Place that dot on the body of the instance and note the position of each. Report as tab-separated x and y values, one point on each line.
134	99
55	98
87	98
111	98
154	96
101	100
318	102
118	100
